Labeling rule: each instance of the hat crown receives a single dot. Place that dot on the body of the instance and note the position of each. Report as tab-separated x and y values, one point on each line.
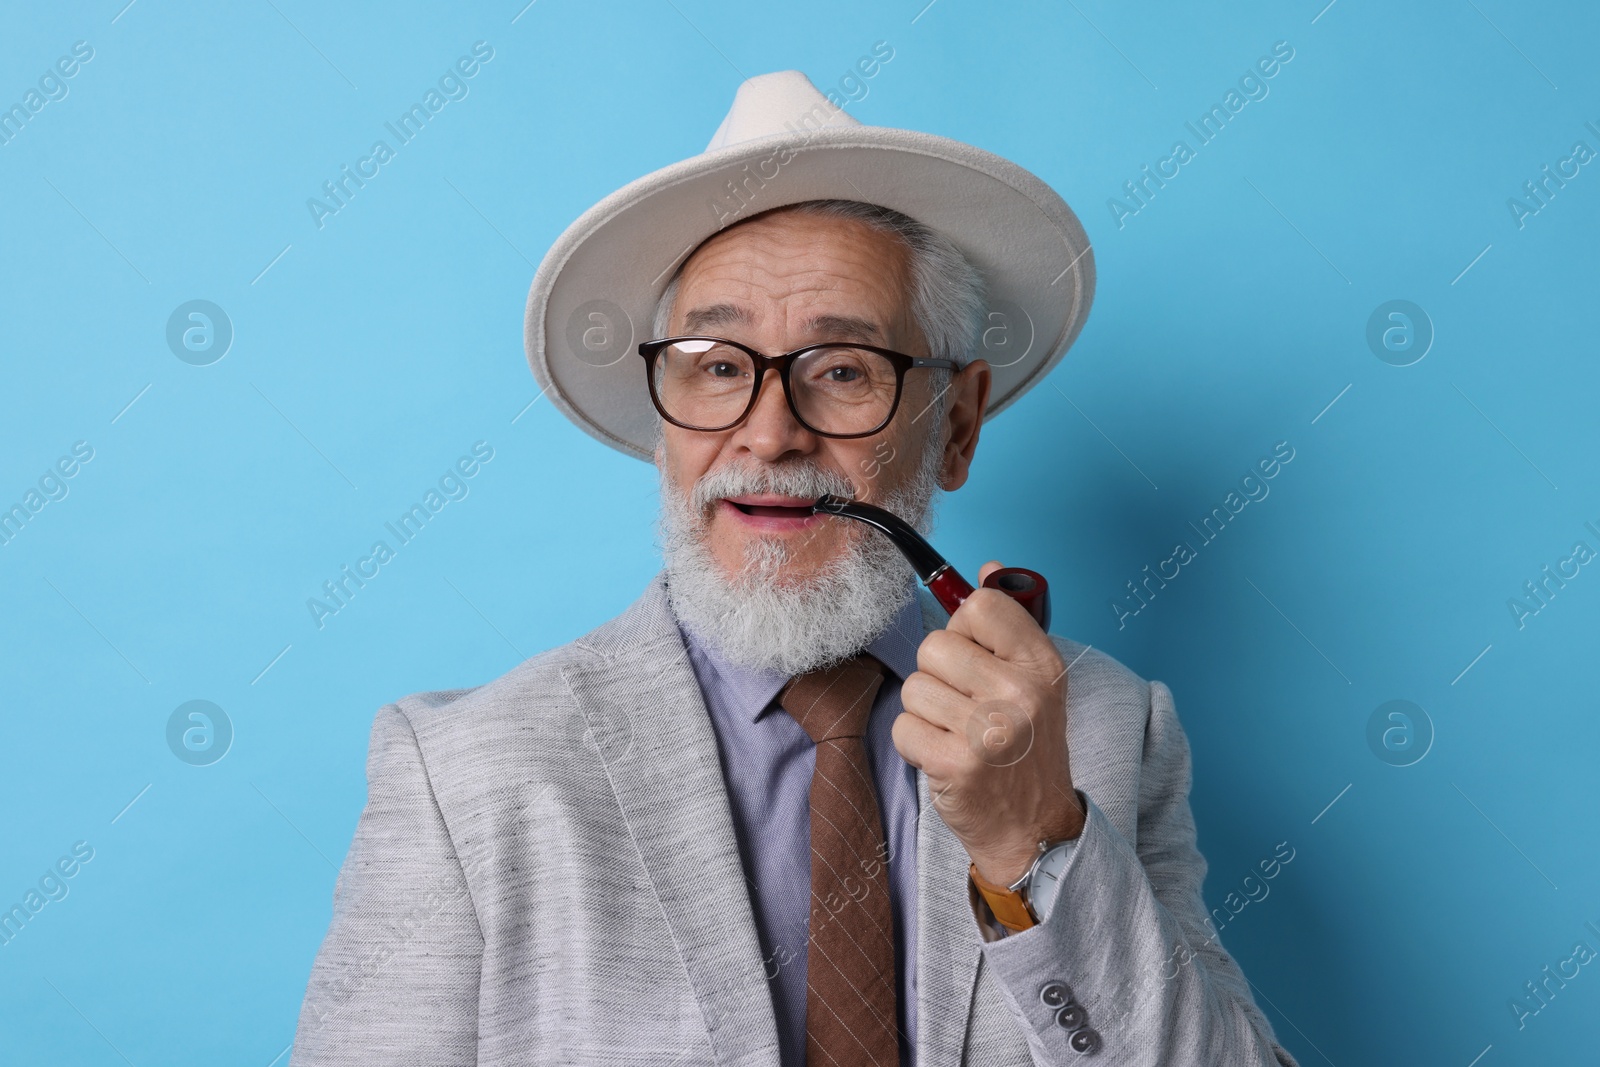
780	102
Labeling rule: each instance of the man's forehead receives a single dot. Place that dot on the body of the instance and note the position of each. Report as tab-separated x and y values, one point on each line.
721	314
813	278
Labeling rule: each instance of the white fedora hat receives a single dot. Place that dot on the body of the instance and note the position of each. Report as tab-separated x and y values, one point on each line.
594	296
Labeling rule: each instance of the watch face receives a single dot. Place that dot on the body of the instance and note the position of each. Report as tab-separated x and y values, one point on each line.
1046	880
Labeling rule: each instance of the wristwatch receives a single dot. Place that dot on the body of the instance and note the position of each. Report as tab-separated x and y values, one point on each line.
1023	903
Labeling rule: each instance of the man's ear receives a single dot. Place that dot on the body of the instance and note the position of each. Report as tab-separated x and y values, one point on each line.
969	396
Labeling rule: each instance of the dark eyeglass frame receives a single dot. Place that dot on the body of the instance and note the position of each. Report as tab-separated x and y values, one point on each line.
901	362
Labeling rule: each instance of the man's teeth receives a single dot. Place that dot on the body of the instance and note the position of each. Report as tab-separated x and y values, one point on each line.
774	510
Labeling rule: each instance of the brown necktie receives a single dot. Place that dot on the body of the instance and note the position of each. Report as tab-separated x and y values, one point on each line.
850	974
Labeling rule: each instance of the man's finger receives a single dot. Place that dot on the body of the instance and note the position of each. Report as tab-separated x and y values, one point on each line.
964	666
1004	627
935	701
983	571
920	742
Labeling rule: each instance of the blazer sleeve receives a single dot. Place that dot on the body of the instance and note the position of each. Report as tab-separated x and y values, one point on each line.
1129	938
396	978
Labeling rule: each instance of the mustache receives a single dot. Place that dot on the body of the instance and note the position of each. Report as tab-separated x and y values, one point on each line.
801	478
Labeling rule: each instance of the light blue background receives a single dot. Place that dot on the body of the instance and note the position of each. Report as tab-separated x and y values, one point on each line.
1231	310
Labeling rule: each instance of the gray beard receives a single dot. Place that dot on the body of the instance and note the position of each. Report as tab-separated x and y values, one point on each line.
758	618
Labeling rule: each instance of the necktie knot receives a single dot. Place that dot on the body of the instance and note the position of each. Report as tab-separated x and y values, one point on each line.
835	702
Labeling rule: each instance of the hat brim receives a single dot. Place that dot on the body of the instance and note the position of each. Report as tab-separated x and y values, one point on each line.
598	286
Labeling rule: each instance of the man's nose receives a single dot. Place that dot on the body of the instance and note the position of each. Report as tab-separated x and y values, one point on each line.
770	430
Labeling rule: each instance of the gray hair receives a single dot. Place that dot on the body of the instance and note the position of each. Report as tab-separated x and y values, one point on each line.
947	292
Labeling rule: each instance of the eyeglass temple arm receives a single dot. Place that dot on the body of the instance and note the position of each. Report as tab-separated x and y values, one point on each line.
1026	587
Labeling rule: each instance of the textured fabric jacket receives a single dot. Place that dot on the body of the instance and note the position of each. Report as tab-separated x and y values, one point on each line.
546	872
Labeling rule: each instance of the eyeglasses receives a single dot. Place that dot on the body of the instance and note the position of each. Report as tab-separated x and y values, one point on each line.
834	390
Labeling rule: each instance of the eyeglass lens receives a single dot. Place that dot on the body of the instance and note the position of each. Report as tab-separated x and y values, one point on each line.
837	389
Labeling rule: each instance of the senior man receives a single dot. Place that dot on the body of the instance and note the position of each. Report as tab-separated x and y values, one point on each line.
784	809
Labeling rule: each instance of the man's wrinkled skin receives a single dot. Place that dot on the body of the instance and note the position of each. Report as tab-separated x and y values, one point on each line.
782	281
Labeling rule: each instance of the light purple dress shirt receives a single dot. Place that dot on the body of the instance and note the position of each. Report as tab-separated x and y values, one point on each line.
767	762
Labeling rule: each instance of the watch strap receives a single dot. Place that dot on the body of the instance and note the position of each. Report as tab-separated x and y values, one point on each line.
1009	905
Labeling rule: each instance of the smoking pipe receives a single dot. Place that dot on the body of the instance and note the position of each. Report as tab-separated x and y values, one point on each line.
1026	587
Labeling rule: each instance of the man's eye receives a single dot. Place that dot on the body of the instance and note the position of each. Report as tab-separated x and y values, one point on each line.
724	369
842	374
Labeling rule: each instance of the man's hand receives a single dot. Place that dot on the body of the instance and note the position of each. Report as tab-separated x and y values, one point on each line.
986	721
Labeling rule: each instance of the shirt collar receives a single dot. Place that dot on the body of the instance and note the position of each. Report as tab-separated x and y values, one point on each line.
750	692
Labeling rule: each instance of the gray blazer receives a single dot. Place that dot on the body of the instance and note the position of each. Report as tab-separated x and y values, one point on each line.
546	872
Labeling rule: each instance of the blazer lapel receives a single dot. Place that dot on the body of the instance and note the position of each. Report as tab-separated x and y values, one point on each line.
949	946
643	704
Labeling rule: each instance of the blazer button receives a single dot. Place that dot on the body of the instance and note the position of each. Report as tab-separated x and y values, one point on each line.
1055	994
1085	1040
1071	1016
